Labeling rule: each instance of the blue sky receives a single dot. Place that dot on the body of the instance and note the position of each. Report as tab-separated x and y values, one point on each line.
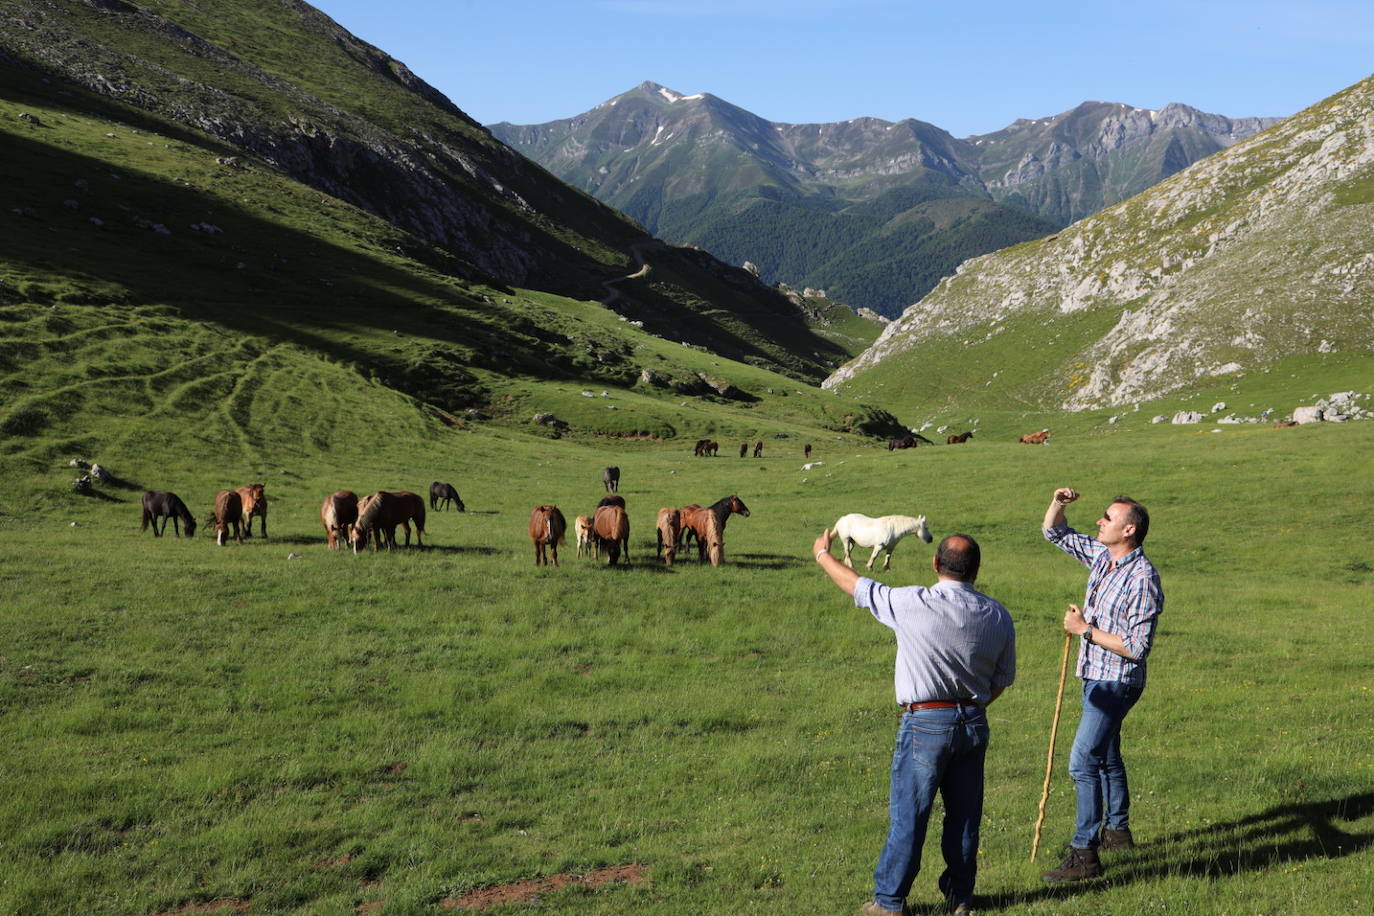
970	68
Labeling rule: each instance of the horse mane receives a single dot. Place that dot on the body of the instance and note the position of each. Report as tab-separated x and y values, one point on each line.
370	508
715	539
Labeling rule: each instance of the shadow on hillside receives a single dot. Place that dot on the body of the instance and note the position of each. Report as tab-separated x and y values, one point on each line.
93	493
1296	832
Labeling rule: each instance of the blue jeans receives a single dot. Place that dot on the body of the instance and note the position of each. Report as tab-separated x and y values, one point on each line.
937	750
1099	774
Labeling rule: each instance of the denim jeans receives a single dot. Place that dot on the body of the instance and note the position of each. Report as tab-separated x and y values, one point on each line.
1099	774
937	750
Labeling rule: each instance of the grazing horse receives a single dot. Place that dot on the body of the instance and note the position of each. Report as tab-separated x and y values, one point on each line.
806	451
254	503
700	448
669	525
714	538
586	542
339	512
228	512
547	526
380	513
882	534
610	479
694	520
959	439
157	504
1039	438
758	449
743	449
615	499
440	492
904	442
611	528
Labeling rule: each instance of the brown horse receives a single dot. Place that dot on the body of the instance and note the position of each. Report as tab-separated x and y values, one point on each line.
959	439
743	449
338	512
159	505
806	451
611	528
610	478
694	521
758	449
380	513
440	492
669	525
228	513
714	538
1039	438
254	502
547	527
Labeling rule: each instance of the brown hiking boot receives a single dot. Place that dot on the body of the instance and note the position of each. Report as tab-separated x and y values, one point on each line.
1116	839
1079	865
872	908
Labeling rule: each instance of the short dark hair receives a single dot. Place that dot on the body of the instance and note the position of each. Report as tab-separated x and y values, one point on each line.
1137	515
958	557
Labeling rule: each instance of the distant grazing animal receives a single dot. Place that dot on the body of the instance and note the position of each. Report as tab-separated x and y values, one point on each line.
586	542
611	528
1039	438
806	451
610	479
758	449
380	513
700	448
228	514
615	499
547	527
710	448
339	512
694	522
910	440
959	439
669	525
157	504
882	534
444	493
254	503
743	449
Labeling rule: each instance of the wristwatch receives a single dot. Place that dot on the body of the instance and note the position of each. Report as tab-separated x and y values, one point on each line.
1088	636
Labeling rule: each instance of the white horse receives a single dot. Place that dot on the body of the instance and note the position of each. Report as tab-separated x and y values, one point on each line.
882	534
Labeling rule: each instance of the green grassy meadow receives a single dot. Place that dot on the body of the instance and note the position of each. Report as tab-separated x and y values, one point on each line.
283	729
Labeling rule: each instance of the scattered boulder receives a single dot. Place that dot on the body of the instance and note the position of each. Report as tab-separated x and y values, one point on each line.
1159	419
1218	407
100	473
78	463
1187	416
1308	415
82	484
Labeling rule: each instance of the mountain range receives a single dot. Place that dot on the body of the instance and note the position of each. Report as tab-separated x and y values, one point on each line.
873	211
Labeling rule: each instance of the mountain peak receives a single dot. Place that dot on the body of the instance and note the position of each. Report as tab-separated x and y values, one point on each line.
657	91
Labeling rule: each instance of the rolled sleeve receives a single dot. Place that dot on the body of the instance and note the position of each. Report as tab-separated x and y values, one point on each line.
1142	607
1082	548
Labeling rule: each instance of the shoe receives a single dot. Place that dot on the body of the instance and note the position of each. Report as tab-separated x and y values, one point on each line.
1116	839
1079	865
872	908
963	909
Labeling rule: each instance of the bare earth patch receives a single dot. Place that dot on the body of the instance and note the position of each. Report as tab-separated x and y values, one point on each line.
529	891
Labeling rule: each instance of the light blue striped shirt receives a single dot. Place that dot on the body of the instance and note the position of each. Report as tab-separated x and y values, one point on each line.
953	642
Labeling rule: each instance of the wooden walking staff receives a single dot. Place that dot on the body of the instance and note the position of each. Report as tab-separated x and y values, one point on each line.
1049	758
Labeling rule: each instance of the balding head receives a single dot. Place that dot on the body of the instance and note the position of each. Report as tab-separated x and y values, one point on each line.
958	557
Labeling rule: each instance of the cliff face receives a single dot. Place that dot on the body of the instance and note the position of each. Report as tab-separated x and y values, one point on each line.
1259	252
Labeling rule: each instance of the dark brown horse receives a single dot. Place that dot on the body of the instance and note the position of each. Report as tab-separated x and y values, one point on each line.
694	521
380	513
743	449
157	504
228	513
547	527
254	502
440	492
611	528
806	451
959	439
339	512
610	479
669	525
758	449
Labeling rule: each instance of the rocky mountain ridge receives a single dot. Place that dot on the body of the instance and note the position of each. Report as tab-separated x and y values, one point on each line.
1246	257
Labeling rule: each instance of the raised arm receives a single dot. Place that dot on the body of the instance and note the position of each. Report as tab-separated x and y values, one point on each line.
840	574
1054	515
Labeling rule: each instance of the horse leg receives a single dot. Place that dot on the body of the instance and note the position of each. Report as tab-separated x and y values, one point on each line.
553	549
887	559
264	520
876	550
848	546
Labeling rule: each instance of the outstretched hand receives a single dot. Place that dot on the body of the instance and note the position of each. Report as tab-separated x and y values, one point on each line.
823	542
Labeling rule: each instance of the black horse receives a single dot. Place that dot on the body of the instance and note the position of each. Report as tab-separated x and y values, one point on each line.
610	479
164	506
444	493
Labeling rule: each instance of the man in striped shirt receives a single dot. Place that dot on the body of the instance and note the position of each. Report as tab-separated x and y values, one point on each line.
956	652
1117	627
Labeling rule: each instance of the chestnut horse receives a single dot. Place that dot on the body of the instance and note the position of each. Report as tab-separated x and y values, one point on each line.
694	520
254	502
338	512
611	529
159	505
547	526
758	449
380	513
959	439
669	525
1039	438
228	513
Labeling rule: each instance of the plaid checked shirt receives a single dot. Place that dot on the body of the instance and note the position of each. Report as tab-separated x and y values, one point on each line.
1123	598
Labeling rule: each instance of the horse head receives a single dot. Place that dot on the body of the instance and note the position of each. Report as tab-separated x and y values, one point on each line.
922	531
737	506
190	522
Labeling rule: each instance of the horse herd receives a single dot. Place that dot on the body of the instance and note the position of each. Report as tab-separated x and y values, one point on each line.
711	448
608	529
346	518
912	440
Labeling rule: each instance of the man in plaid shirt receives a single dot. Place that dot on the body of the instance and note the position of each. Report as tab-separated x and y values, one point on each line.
1117	627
